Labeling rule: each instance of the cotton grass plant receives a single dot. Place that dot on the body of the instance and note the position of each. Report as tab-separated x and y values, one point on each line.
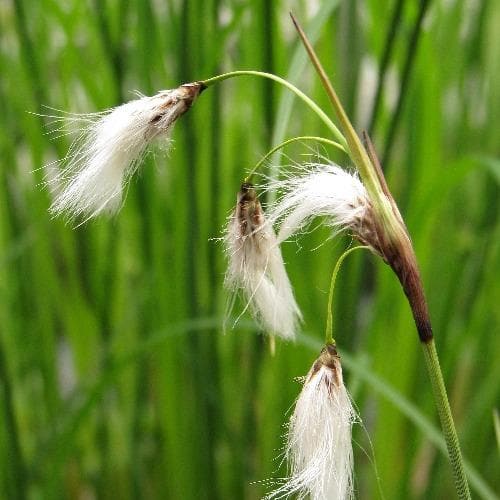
318	445
110	148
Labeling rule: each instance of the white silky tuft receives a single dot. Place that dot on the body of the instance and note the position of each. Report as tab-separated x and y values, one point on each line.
319	448
256	267
108	151
323	190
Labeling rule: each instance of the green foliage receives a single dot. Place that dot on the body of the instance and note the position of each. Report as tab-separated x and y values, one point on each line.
115	377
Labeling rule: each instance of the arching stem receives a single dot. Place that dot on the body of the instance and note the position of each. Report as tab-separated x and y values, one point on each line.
302	138
329	316
314	107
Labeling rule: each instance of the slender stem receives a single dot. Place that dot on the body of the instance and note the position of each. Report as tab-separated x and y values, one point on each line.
446	418
321	114
329	316
290	141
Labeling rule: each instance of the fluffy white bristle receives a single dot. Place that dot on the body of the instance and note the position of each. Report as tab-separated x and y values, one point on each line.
256	268
322	190
319	449
109	149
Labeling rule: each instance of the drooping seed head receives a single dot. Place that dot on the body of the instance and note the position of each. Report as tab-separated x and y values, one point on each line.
318	448
328	191
256	267
109	150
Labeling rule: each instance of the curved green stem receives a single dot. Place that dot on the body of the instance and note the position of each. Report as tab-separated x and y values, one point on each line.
321	114
446	418
329	316
290	141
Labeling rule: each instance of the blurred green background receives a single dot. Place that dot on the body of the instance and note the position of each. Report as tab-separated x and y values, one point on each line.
116	380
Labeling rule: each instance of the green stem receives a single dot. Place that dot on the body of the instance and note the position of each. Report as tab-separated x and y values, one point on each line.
329	316
446	418
290	141
321	114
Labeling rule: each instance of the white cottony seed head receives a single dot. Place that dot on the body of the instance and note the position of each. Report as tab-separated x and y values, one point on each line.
110	148
322	190
319	449
256	267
